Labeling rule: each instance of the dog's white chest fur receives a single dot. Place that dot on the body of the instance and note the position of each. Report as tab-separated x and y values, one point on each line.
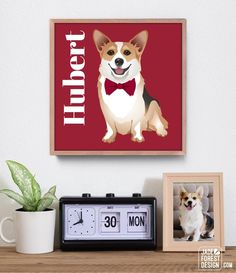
191	220
121	105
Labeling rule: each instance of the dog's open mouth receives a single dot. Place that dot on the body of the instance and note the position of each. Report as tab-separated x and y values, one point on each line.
189	206
119	70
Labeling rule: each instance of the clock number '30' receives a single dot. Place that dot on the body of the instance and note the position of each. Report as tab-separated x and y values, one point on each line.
110	221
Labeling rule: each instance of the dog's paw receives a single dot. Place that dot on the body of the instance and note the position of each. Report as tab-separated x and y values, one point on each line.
185	238
138	139
110	139
161	128
162	132
196	238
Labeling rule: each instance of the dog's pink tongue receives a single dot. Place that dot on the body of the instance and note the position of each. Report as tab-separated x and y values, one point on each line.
119	71
189	207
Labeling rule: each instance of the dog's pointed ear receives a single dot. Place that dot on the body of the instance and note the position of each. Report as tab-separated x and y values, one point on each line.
199	191
140	41
100	39
182	191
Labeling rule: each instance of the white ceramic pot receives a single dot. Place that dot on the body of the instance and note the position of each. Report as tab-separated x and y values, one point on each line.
34	231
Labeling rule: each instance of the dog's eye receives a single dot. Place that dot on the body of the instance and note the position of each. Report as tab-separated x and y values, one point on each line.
127	52
110	52
186	198
194	198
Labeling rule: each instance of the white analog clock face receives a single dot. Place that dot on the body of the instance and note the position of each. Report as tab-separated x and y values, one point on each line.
80	221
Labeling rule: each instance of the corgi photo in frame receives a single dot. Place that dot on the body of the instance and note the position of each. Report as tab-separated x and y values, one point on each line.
126	105
195	221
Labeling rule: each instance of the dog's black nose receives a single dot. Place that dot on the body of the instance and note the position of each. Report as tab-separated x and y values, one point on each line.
119	61
190	203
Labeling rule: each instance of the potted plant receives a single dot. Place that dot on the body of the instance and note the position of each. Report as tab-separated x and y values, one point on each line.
34	223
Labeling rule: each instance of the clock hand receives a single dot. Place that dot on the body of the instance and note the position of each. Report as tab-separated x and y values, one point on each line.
80	220
77	223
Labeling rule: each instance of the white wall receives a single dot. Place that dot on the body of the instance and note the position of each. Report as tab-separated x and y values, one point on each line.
211	100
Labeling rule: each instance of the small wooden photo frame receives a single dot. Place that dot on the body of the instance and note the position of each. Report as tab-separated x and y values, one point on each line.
193	199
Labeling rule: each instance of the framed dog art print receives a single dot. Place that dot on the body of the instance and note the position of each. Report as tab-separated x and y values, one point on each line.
118	87
193	211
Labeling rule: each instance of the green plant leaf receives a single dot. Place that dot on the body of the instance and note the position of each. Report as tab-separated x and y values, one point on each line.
47	199
25	181
52	190
52	196
36	190
44	203
18	198
31	199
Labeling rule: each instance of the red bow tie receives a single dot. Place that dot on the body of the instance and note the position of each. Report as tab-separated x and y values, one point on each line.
111	86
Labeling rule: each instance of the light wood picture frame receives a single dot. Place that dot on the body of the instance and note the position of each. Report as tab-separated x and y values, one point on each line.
174	185
81	121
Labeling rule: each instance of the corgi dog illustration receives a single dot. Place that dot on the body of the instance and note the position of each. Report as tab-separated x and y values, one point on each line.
193	221
125	103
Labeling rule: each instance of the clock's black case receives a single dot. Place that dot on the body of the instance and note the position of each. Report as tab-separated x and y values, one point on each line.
69	245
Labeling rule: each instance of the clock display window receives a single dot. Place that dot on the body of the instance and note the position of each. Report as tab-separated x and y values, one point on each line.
110	222
137	221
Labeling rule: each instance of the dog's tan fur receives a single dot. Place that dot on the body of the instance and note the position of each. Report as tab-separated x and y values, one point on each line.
152	119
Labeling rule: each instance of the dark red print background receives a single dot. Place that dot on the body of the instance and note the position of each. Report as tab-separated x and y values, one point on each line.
161	69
